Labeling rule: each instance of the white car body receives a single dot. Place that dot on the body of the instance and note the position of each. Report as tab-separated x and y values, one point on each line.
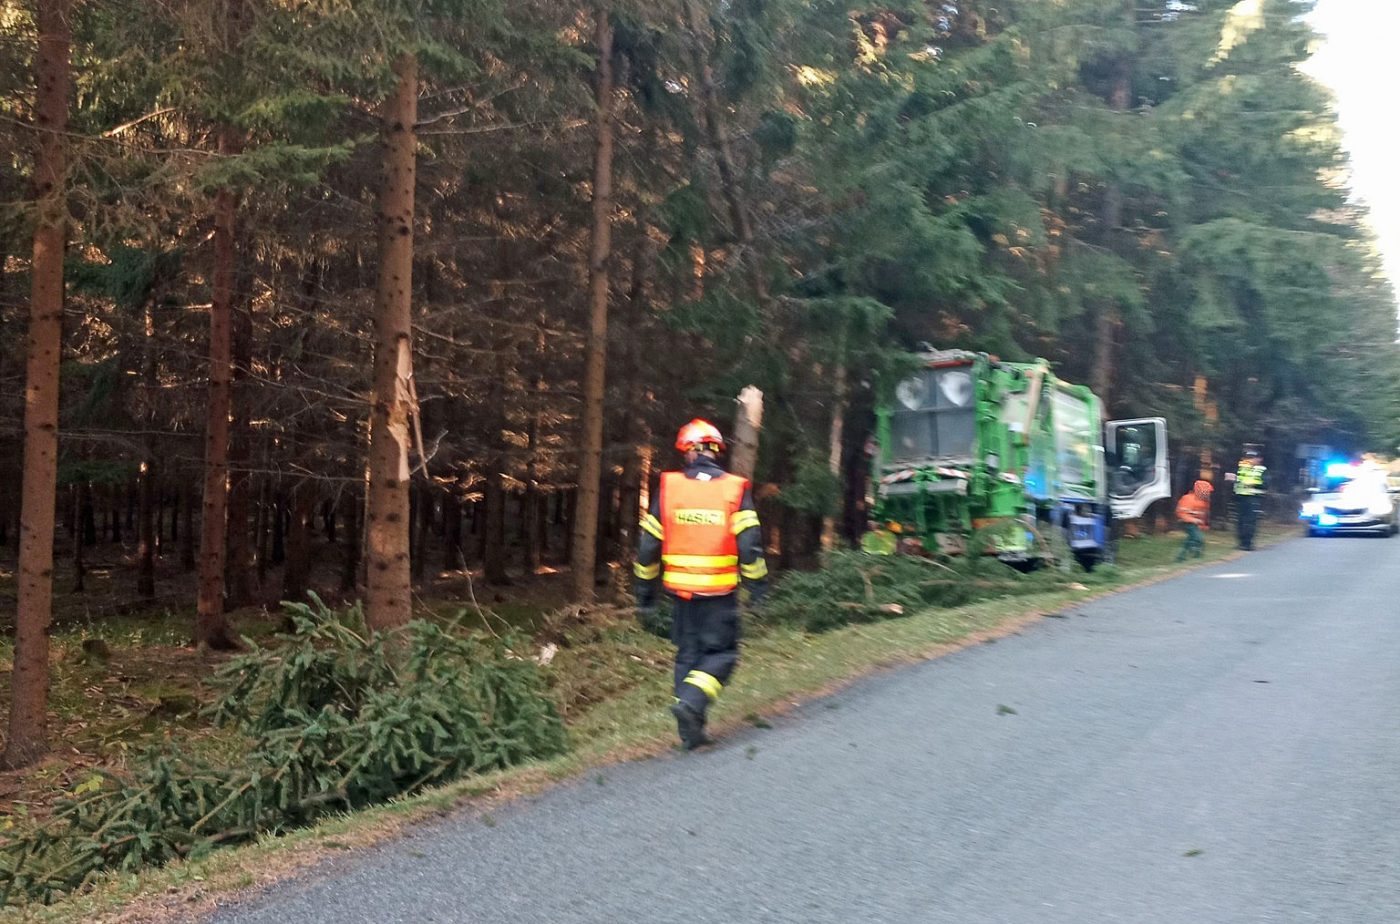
1360	505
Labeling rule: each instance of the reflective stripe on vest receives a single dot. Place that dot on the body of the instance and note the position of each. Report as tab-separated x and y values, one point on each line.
1250	479
698	548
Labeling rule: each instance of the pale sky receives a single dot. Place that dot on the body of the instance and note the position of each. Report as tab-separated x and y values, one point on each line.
1359	59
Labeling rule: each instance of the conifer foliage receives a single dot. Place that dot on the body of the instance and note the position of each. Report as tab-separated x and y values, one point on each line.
366	296
339	718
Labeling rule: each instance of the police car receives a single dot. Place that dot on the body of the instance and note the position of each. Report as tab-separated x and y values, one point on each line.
1352	499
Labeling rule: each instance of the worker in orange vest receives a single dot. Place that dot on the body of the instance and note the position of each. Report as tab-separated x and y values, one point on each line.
698	541
1193	512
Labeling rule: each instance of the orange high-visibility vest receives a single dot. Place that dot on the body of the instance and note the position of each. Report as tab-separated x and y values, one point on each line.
1193	509
699	553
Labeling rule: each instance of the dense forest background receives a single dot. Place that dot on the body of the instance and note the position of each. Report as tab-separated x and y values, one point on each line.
564	229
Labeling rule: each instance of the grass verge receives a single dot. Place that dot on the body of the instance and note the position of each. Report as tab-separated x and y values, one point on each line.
781	667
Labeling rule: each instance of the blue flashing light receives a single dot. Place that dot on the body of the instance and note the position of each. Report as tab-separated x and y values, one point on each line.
1327	519
1340	470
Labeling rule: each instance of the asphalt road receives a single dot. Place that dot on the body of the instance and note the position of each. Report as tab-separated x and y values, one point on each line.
1223	747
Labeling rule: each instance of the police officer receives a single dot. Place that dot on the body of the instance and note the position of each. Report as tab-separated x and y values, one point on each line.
1251	480
698	541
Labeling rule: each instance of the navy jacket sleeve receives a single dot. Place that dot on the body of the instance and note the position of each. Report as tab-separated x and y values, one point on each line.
647	568
753	568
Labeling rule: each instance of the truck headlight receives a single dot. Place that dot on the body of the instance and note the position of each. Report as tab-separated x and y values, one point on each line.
1380	507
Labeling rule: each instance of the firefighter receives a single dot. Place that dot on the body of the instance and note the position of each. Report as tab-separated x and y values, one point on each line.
1251	480
1193	513
698	541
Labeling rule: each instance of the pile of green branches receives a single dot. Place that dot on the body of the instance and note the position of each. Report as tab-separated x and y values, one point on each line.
337	718
854	587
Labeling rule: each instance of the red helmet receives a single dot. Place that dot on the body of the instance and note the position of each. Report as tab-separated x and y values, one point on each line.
699	433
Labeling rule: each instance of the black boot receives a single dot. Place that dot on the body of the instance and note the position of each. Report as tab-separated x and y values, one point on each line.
690	725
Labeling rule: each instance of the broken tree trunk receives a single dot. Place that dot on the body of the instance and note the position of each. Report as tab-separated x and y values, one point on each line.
748	423
388	600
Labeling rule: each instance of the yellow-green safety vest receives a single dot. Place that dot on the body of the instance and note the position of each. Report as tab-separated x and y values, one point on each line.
1249	480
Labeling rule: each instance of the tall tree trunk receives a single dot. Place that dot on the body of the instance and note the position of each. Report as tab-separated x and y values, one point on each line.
159	519
146	532
238	569
350	560
278	512
147	501
211	620
724	154
584	558
28	729
296	575
114	514
1108	319
542	527
454	557
423	502
262	528
87	517
748	424
493	537
634	427
388	597
187	556
530	502
84	501
835	443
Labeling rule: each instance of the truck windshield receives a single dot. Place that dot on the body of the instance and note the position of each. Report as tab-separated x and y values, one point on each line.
935	416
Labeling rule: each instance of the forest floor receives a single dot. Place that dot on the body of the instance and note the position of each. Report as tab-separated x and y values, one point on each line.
123	685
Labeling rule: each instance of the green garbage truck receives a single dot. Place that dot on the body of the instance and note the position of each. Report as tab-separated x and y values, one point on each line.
973	455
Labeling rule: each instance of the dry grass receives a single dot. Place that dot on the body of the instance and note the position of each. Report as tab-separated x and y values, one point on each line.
610	676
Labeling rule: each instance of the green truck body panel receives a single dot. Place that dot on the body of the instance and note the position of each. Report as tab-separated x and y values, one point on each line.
974	450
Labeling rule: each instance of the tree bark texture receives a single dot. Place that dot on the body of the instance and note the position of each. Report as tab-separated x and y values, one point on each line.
1108	319
421	498
388	594
187	556
454	557
146	532
835	443
296	576
238	569
637	430
27	739
84	501
350	558
748	424
584	557
211	620
493	536
148	499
